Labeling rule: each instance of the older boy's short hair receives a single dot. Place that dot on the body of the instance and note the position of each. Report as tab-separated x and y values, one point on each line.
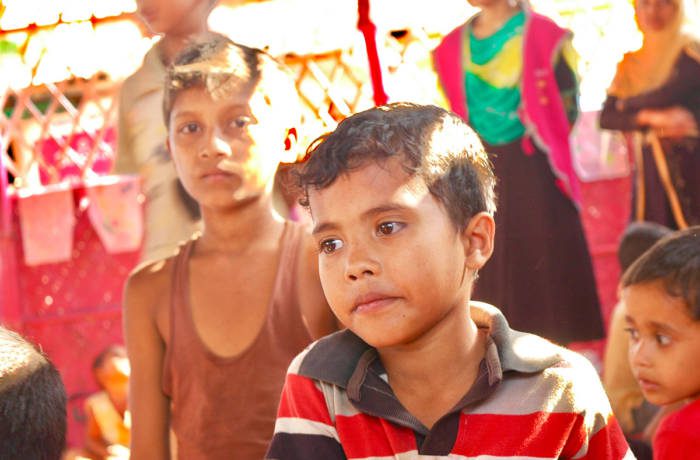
433	143
675	259
214	62
32	402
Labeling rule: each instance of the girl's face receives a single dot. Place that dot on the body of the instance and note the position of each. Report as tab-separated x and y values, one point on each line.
655	15
486	3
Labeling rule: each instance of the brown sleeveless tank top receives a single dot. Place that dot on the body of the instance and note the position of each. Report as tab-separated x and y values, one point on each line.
225	407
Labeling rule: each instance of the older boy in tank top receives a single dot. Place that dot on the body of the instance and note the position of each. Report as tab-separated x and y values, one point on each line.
211	330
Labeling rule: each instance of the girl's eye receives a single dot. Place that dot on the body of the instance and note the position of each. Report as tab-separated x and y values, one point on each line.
388	228
240	122
663	340
331	245
189	128
633	333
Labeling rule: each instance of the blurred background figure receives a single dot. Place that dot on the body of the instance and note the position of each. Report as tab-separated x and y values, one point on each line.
32	402
108	430
171	215
521	98
655	95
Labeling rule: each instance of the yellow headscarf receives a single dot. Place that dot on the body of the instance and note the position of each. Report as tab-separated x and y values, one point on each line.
651	65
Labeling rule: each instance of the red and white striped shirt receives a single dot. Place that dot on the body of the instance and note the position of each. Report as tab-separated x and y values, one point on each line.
531	399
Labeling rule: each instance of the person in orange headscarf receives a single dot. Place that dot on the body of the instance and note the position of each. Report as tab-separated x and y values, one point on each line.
656	96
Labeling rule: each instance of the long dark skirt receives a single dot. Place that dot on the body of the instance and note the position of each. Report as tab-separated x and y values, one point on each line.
683	160
540	274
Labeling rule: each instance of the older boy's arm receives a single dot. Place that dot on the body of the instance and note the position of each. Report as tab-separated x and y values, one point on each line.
149	406
304	428
317	314
125	161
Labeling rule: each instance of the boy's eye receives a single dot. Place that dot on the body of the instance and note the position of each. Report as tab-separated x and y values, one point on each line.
387	228
331	245
189	128
633	333
663	340
240	122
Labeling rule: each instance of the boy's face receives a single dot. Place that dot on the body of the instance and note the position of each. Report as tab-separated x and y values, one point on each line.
664	343
226	150
392	264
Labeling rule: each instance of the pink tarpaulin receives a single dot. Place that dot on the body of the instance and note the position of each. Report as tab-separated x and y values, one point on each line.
47	220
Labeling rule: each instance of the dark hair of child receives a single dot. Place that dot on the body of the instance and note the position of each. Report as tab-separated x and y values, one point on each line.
434	144
215	62
637	238
675	260
32	402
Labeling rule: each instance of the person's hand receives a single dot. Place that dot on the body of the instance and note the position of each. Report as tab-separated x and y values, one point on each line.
672	122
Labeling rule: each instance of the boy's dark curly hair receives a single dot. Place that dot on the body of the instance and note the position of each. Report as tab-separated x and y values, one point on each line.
431	142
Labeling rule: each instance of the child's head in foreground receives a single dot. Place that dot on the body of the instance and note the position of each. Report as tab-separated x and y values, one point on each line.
661	291
402	201
32	402
111	370
231	113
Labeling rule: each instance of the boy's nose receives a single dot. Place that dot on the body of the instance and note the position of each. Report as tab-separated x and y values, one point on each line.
639	354
217	146
360	264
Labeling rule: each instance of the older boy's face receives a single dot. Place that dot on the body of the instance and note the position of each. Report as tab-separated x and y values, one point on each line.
226	150
173	16
391	262
664	343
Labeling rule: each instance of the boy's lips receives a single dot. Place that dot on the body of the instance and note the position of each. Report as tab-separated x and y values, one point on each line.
215	174
647	385
372	301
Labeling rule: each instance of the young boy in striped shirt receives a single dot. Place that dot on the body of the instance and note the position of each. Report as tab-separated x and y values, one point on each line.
402	201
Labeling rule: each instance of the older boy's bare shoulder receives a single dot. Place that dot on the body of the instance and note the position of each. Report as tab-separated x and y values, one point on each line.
147	291
152	276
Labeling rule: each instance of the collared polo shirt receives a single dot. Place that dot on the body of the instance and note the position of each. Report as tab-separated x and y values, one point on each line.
530	399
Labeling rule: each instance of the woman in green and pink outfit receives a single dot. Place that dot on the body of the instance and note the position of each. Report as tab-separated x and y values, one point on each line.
509	72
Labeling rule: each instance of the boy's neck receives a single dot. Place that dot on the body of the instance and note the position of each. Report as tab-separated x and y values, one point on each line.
430	375
235	230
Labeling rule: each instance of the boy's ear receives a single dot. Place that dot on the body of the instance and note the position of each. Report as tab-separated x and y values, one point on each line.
291	151
167	146
477	238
